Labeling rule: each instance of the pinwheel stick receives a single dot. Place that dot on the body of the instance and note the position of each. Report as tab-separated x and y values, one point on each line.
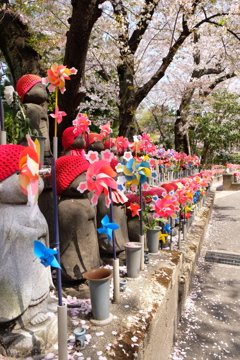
116	284
56	105
112	220
62	309
141	236
171	243
1	115
3	134
56	231
140	210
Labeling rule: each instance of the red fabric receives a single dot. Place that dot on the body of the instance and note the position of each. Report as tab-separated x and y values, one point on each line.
112	143
159	191
132	198
9	159
25	83
68	167
92	137
68	137
113	164
168	187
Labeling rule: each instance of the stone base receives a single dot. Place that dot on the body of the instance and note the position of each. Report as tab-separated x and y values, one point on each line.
30	341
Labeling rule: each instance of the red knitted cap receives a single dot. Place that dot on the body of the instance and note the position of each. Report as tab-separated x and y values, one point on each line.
159	191
68	136
68	167
92	137
132	198
168	187
25	83
114	163
9	159
112	143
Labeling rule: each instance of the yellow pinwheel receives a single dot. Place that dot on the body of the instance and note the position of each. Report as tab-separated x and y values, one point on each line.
163	237
136	173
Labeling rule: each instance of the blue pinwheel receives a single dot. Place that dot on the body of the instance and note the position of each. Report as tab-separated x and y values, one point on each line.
45	255
136	172
167	228
107	227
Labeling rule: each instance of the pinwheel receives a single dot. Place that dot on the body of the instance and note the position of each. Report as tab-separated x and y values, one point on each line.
107	227
122	144
163	237
167	206
105	129
45	255
56	76
167	228
82	123
58	115
29	172
99	178
136	173
134	209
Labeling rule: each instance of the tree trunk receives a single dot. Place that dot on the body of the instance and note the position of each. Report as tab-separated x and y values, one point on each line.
15	45
85	13
205	152
127	107
181	144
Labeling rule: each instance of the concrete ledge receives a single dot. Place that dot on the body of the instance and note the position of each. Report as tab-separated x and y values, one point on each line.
146	319
229	184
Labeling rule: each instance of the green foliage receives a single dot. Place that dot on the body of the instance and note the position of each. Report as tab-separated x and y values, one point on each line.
216	127
16	123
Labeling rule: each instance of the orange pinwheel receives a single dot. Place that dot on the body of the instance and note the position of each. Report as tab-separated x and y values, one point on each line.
56	76
29	170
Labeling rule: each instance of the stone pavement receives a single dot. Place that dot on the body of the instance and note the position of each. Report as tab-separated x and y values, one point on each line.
210	325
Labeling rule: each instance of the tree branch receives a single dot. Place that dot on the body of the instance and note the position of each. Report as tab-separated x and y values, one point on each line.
141	27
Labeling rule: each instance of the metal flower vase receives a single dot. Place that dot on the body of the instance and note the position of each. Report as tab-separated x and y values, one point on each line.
133	252
153	240
99	285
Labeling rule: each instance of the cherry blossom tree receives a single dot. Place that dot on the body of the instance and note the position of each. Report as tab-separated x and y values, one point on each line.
126	48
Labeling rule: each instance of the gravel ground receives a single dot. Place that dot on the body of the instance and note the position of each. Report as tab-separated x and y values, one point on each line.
209	328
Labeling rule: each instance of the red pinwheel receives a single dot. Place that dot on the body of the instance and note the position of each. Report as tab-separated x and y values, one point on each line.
134	209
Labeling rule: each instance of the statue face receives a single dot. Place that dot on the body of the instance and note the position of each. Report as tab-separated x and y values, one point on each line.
37	94
79	142
97	146
10	192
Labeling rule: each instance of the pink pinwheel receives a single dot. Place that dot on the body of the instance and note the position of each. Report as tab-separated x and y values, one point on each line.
105	129
167	206
122	144
56	76
182	198
99	178
58	115
82	122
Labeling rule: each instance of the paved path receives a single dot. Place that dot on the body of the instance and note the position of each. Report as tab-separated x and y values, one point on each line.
210	327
